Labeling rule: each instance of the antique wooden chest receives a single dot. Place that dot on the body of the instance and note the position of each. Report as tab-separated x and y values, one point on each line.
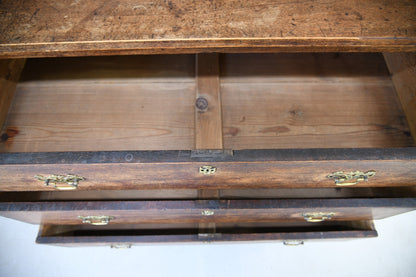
179	121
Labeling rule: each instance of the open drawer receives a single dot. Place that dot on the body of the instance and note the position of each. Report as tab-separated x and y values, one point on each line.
126	236
209	121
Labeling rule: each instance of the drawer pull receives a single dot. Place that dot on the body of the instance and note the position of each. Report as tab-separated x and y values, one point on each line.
96	219
342	178
61	182
207	169
121	246
317	217
293	242
207	212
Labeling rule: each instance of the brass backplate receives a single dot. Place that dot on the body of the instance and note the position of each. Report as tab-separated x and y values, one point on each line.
342	178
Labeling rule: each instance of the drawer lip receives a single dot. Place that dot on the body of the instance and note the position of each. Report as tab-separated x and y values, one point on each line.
178	156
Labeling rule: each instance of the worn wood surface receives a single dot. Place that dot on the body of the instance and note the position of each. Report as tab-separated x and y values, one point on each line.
118	103
245	169
9	76
310	100
147	103
208	121
50	28
149	212
403	69
72	236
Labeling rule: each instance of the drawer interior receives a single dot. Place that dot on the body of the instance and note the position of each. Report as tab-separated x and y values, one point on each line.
268	101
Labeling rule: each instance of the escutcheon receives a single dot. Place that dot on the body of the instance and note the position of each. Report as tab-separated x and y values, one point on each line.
207	170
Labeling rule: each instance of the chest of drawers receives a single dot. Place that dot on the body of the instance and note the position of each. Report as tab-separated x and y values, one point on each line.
177	121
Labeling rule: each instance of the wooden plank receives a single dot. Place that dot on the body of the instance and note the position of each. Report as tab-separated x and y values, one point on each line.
307	168
403	69
64	236
208	115
9	76
90	27
307	101
84	116
229	211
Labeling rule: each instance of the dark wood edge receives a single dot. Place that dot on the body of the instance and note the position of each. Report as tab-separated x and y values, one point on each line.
220	237
209	204
194	46
177	156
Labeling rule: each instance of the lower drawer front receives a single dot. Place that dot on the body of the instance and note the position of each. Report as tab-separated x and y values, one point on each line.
124	236
205	211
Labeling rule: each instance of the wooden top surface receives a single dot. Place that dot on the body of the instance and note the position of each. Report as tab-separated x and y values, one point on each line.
98	27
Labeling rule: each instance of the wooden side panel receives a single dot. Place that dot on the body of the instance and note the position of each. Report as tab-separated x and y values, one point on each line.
403	69
51	28
213	211
9	76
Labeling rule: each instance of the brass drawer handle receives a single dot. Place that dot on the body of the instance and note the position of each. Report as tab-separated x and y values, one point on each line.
317	217
61	182
96	219
120	246
207	170
342	178
293	242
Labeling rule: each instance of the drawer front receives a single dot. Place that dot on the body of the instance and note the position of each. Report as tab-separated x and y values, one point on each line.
126	236
179	170
205	211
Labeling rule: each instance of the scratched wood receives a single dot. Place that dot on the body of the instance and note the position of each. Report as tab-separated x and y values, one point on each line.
310	101
403	69
89	27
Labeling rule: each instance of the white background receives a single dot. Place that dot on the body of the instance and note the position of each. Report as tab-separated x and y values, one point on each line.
393	253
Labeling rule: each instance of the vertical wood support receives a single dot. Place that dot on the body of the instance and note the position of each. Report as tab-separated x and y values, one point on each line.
208	118
10	71
402	66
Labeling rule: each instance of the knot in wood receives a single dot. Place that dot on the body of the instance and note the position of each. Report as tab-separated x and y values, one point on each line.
201	104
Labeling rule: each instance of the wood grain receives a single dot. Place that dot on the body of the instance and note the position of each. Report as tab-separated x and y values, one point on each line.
9	76
310	100
208	121
229	175
229	211
117	103
70	236
72	28
403	69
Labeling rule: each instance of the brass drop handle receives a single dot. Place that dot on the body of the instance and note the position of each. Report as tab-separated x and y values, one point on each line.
317	217
96	219
61	182
293	242
342	178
